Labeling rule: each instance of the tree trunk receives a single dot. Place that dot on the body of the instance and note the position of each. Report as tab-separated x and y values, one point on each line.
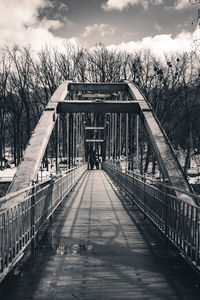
154	166
188	151
147	158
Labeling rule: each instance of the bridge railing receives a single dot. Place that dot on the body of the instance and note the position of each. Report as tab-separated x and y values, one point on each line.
177	219
22	214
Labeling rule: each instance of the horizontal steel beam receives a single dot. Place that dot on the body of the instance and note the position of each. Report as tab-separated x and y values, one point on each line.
96	96
112	87
94	128
112	106
94	141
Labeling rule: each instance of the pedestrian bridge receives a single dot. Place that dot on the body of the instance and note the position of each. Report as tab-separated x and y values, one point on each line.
109	233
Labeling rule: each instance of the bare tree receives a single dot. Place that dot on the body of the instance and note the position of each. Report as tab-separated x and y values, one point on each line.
4	74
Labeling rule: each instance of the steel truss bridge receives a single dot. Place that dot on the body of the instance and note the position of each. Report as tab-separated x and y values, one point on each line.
112	123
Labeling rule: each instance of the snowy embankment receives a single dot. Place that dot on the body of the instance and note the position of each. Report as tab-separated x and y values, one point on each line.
7	174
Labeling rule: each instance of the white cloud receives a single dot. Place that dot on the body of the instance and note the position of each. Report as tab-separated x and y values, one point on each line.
161	44
102	29
180	4
122	4
19	23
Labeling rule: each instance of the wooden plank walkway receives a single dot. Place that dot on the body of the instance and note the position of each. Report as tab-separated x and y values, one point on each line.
94	249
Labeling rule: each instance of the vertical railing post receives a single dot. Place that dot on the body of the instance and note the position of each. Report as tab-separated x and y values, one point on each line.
33	218
165	206
67	154
57	143
72	142
109	137
144	195
197	237
137	142
115	137
120	129
126	142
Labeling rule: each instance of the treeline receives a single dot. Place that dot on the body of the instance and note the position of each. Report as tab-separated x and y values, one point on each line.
28	79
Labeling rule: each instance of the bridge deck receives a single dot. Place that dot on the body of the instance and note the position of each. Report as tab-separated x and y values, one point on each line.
93	249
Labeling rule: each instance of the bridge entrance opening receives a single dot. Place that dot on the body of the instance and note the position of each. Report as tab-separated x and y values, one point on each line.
103	121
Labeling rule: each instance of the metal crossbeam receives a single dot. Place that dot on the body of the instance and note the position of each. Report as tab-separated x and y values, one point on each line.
94	128
111	87
96	96
94	141
113	106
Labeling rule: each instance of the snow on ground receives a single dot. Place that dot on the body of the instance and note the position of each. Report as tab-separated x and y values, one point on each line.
7	174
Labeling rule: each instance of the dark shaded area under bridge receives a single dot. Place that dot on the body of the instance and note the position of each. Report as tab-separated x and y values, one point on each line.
99	246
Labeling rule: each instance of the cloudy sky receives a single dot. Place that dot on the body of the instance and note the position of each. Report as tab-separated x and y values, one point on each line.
126	24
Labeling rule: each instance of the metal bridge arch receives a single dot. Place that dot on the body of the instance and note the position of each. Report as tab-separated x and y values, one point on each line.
30	164
31	161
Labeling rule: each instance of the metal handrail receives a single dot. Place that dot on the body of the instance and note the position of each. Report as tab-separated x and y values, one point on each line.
166	186
177	219
26	211
10	196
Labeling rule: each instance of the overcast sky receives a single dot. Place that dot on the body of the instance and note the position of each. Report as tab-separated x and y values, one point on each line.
126	24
